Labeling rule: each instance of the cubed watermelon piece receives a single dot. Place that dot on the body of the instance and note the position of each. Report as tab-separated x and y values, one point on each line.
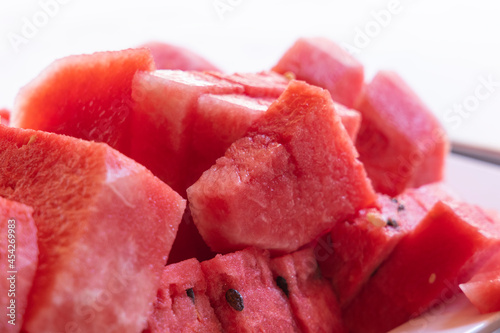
400	142
323	63
19	260
354	249
168	56
425	268
244	295
84	96
262	84
291	178
4	117
182	304
311	296
428	195
483	290
351	119
105	228
163	116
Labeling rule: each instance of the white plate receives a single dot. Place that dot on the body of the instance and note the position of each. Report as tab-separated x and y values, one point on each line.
476	182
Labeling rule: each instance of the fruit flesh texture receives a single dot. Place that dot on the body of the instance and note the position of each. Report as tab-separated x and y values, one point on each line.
5	117
86	197
182	304
84	96
354	249
425	268
321	62
351	119
483	290
313	302
167	56
263	84
265	308
297	163
400	142
25	260
163	116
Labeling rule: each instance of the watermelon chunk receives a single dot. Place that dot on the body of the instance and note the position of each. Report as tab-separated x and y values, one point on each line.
263	84
354	249
182	304
19	254
4	117
105	228
84	96
242	291
425	268
323	63
296	164
311	296
483	290
400	142
428	195
351	119
168	56
163	116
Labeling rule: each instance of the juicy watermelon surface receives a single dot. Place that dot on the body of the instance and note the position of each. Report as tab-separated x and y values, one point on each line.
105	228
84	96
4	117
182	304
263	84
22	254
296	164
244	295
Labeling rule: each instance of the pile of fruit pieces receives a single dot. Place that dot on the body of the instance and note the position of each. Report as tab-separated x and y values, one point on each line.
314	201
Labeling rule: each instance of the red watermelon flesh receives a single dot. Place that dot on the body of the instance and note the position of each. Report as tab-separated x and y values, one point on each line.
263	84
429	194
221	120
297	163
351	119
323	63
483	290
354	249
311	296
182	304
163	116
242	292
424	269
18	254
400	142
4	117
84	96
105	228
188	242
167	56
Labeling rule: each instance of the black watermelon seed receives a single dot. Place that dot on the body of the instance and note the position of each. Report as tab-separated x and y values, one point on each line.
281	282
392	223
190	294
394	200
401	207
234	298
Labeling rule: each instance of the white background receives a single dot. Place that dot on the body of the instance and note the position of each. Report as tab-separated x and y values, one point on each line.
443	49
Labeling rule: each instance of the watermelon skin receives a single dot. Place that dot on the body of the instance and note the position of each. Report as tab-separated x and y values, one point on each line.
354	249
162	120
26	260
105	228
297	163
265	307
262	84
313	302
4	117
448	244
84	96
400	142
483	290
322	63
174	310
167	56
